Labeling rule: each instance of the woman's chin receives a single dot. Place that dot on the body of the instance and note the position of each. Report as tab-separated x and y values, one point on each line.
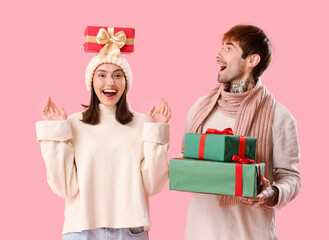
109	102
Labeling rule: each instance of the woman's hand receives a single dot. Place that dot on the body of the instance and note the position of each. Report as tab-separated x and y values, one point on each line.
161	115
53	112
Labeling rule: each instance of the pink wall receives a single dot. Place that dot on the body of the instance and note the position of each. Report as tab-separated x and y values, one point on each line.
176	43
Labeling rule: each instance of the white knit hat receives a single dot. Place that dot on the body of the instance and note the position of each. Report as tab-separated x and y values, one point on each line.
96	61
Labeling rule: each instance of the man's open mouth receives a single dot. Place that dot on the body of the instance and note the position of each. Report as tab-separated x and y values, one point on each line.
222	66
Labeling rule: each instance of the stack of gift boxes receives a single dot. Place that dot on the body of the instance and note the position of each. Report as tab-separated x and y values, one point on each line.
217	162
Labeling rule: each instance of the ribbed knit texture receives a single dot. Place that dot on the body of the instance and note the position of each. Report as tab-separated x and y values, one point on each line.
254	112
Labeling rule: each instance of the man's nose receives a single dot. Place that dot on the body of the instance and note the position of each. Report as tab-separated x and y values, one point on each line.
218	55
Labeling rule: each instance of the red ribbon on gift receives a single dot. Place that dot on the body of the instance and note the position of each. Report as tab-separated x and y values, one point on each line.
237	159
227	131
240	160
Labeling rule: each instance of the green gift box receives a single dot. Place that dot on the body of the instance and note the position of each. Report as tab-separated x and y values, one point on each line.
217	147
214	177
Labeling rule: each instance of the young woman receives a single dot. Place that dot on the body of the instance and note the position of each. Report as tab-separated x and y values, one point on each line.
107	160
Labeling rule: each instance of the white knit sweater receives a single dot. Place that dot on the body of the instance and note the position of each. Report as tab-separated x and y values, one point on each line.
106	171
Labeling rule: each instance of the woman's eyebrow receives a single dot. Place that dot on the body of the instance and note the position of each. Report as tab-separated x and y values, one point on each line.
101	70
118	70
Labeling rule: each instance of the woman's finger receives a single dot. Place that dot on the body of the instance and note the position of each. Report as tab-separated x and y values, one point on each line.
165	108
162	106
60	109
46	108
47	103
151	111
169	113
158	110
48	100
50	106
61	112
50	109
44	111
53	105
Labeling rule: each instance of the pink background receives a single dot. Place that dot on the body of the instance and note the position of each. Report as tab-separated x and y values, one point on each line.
176	43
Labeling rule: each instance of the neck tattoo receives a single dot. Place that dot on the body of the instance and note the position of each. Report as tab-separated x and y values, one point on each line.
242	85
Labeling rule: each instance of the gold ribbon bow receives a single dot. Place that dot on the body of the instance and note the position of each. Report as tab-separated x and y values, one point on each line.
113	42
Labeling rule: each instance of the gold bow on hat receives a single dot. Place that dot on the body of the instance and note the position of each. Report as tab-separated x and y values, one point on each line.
113	42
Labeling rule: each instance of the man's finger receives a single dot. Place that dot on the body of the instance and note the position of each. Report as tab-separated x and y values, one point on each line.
259	196
266	183
247	200
244	200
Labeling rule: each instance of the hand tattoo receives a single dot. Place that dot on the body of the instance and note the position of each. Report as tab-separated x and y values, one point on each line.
267	198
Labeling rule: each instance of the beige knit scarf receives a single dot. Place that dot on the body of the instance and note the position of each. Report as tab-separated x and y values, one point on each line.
254	112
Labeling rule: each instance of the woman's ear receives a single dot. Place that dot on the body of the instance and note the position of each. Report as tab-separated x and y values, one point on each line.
253	60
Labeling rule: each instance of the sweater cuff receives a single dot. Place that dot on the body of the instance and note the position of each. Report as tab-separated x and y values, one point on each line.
277	206
156	132
54	130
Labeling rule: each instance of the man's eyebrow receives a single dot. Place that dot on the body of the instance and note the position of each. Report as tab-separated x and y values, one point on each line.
230	43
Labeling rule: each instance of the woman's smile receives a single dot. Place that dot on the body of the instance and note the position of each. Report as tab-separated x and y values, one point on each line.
109	93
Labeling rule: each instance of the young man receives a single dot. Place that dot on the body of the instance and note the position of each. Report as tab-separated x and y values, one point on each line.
243	103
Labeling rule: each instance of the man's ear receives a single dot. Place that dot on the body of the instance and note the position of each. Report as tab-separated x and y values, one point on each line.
253	60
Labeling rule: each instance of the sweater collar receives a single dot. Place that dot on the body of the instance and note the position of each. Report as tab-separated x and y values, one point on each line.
106	110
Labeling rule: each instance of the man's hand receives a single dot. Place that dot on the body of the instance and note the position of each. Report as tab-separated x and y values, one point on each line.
53	112
267	198
161	115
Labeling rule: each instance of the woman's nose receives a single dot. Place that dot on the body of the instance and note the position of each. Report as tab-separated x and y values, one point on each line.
110	81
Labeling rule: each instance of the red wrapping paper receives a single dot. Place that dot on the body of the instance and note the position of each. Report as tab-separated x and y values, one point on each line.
95	47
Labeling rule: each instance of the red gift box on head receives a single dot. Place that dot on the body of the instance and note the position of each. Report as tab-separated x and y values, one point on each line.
91	44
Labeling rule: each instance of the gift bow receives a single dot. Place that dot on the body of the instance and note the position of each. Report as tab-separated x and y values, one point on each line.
238	159
226	131
113	42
